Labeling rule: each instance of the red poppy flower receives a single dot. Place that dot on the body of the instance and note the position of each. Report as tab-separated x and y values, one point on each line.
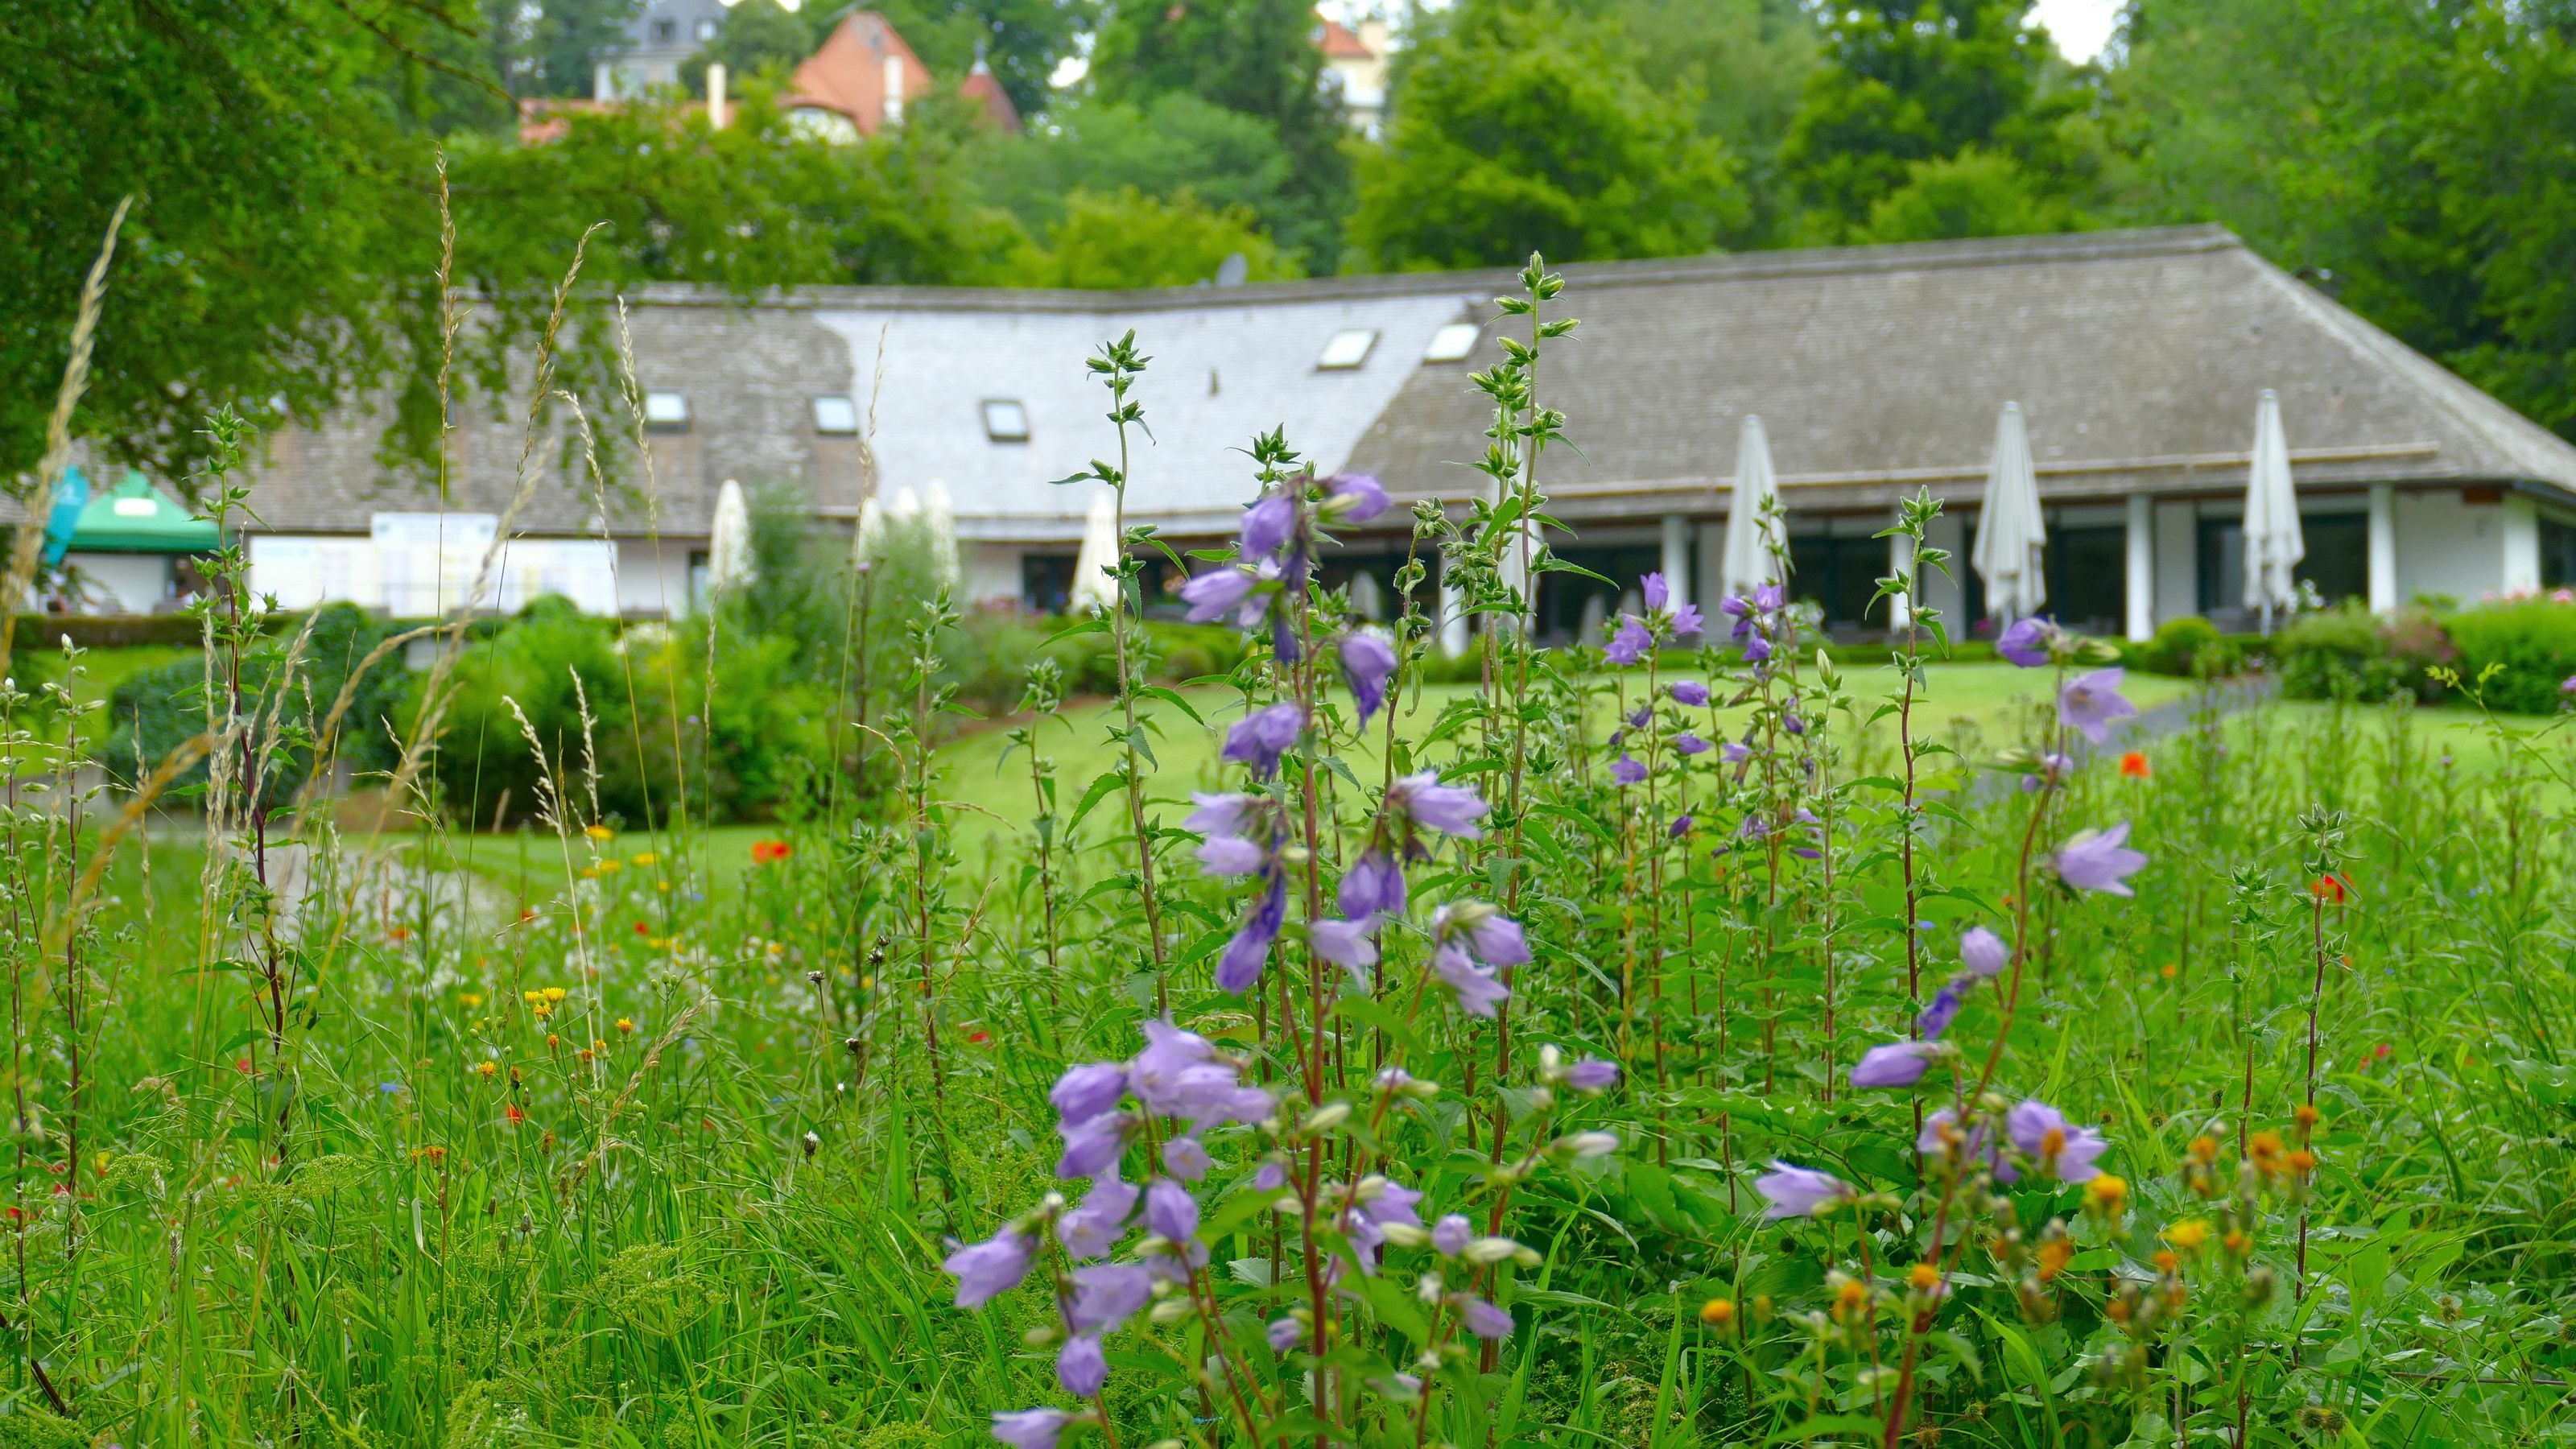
979	1038
514	1114
2134	764
768	852
2331	887
643	928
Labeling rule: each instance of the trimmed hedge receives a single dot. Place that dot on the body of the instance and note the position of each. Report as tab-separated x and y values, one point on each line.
2530	643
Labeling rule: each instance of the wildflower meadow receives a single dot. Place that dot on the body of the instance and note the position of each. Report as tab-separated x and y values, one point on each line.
1706	1037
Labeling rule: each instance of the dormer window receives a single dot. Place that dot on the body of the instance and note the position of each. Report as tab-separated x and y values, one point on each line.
835	415
706	30
1347	349
1005	421
665	31
1452	343
666	412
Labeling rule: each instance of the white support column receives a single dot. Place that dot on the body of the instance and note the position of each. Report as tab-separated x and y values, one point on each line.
2141	581
1900	559
2383	548
1453	620
2521	546
1708	578
1677	555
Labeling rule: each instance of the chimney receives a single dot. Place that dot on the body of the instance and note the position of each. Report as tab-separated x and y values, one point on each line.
716	95
894	89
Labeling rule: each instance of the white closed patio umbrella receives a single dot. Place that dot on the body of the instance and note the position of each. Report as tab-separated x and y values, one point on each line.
729	541
2010	531
2273	543
1752	516
1093	585
1522	548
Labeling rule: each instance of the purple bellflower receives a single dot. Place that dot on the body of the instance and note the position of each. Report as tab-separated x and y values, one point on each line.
1107	1295
2092	702
1086	1091
1186	1158
1373	886
1094	1228
1446	809
1260	738
1800	1192
1689	743
2100	861
1170	1211
1942	1009
1626	770
1479	992
1984	953
2028	641
1367	663
990	1268
1483	1319
1894	1064
2062	1150
1218	592
1631	642
1690	693
1079	1366
1030	1428
1267	524
1092	1145
1249	951
1354	497
1451	1235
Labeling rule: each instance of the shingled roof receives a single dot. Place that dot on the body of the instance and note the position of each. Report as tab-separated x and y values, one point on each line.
2136	356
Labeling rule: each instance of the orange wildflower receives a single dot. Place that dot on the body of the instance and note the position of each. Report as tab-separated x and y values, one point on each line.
2134	765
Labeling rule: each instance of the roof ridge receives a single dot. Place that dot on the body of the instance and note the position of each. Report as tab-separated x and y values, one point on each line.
1480	283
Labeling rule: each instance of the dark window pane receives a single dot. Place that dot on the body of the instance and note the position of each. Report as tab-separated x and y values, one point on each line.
1839	575
1565	600
2338	560
2557	554
1046	581
2088	572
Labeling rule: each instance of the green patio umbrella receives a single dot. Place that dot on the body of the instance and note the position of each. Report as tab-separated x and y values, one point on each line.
135	517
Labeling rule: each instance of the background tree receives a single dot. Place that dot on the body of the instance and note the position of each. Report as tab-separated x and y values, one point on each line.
1254	57
757	38
274	185
1173	145
1021	40
1133	240
1518	127
1914	81
1749	62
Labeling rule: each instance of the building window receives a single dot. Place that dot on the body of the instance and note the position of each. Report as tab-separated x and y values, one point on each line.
1839	574
2557	554
1347	349
2088	578
1046	582
2337	561
666	412
1452	343
706	30
1005	421
665	31
835	414
1575	609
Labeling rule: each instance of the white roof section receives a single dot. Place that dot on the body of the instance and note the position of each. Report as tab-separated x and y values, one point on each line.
1219	373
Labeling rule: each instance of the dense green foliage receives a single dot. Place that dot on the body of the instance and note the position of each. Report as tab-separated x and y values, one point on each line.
2402	154
675	1137
1523	129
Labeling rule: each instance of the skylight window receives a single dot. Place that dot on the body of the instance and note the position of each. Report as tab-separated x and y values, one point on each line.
1347	349
666	412
1005	421
1452	343
834	413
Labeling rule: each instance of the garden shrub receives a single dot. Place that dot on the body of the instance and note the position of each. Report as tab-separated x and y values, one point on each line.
2339	654
2531	643
155	710
2190	647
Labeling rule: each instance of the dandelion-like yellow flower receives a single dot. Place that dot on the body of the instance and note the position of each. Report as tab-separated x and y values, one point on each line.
2105	1194
647	858
555	993
2189	1235
624	1023
599	832
1718	1313
1924	1277
486	1069
471	999
610	865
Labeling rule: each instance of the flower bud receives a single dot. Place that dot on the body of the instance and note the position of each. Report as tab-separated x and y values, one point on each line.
1405	1235
1173	1310
1485	1252
1588	1144
1327	1117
